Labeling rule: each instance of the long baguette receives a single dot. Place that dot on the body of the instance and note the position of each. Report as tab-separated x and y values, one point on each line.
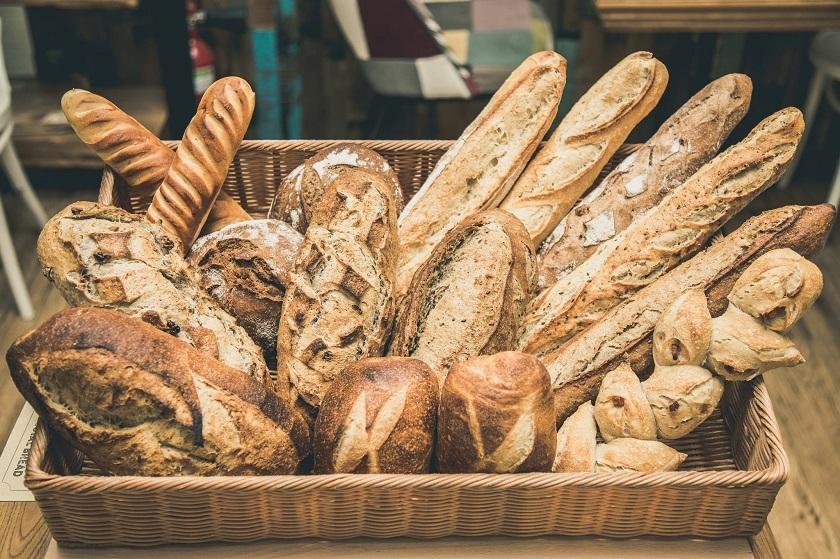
479	169
684	142
584	141
624	333
676	229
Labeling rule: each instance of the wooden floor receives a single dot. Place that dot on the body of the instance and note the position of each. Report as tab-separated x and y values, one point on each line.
806	518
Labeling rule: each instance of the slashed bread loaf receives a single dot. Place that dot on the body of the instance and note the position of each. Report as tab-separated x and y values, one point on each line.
139	402
246	268
339	307
482	165
469	297
588	136
624	333
496	416
378	416
299	193
684	142
193	181
102	256
660	239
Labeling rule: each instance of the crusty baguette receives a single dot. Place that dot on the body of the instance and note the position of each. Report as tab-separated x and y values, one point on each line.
339	307
588	136
684	142
139	402
136	154
479	169
225	211
624	333
192	183
674	230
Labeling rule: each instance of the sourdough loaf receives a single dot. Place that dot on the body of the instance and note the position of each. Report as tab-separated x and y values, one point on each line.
140	402
470	295
378	416
684	142
596	126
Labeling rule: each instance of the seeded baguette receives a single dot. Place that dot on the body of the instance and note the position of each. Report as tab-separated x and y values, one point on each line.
655	243
684	142
479	169
584	141
624	333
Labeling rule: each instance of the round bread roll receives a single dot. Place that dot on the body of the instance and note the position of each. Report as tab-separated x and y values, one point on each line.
245	267
378	416
684	331
299	192
497	416
621	409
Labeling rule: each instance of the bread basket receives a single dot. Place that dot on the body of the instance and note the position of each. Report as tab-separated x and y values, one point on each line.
735	467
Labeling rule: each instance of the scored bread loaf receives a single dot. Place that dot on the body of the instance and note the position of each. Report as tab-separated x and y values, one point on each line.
102	256
246	268
140	402
470	295
194	179
596	126
656	242
340	306
684	142
496	416
576	440
124	144
224	211
481	166
378	416
624	333
299	193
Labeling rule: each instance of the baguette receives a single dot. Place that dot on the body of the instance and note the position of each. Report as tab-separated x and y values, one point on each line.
225	211
192	183
624	333
588	136
140	402
479	169
682	144
655	243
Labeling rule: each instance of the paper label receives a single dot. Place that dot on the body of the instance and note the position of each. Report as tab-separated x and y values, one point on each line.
14	457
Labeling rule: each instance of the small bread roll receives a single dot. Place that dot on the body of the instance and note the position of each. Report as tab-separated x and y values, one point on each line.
777	288
496	416
378	416
681	397
576	441
621	408
684	331
635	455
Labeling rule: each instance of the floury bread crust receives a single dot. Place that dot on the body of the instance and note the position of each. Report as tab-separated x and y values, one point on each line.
480	168
684	142
102	256
139	402
378	416
469	297
588	136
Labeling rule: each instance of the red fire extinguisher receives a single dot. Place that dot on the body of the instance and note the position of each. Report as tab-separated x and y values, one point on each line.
201	55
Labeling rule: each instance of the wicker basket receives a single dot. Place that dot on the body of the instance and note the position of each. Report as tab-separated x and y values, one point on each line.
726	487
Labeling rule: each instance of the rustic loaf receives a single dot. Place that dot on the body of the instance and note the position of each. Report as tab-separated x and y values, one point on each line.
656	242
140	402
378	416
496	416
681	397
684	142
194	179
624	333
246	267
481	166
224	211
596	126
637	455
102	256
576	440
340	307
470	295
299	193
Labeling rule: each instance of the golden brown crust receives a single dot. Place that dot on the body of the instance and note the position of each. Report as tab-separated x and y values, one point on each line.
225	211
183	200
681	397
621	409
684	331
139	402
576	440
378	416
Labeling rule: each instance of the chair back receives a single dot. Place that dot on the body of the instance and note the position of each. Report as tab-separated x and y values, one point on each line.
5	86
